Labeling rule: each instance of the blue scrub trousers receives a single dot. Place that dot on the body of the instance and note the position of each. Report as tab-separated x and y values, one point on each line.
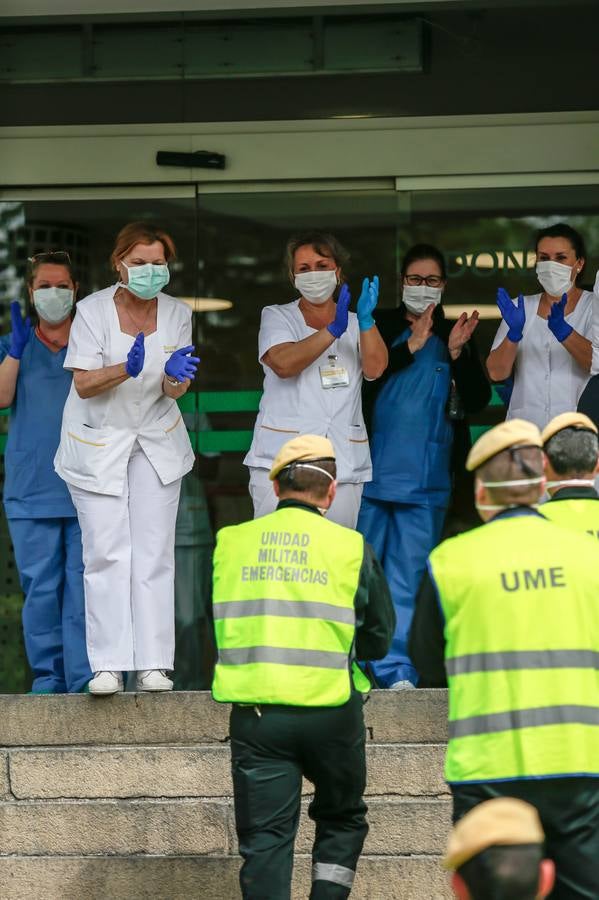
402	535
49	560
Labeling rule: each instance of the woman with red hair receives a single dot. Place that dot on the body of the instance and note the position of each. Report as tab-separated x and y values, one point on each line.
123	452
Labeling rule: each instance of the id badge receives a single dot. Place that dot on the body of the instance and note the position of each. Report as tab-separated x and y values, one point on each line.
334	374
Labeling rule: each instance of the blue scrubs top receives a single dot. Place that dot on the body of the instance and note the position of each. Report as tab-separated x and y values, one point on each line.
411	436
32	489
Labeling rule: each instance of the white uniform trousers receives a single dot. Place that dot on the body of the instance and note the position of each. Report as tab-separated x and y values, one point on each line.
344	508
129	578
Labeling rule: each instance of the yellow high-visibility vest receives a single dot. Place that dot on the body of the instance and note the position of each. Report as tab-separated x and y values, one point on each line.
283	605
578	514
520	597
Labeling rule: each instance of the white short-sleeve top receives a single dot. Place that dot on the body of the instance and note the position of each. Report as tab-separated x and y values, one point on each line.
98	433
300	405
547	379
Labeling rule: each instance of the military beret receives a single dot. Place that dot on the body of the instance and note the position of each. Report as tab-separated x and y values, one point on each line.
305	447
568	420
502	821
512	433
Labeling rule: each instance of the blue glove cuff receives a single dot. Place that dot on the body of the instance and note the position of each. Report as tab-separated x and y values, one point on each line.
332	330
562	332
365	323
514	336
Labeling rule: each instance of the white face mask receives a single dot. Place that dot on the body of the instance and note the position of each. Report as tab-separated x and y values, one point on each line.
516	482
554	277
316	287
571	482
54	304
418	296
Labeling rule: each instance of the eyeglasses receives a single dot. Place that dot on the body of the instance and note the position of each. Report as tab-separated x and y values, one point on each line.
429	280
50	256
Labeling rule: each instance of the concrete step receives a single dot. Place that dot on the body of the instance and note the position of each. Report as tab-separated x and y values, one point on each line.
192	827
201	878
190	718
203	771
129	797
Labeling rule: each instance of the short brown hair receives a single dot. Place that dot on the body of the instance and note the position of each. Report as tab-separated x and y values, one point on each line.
324	243
513	464
141	233
298	479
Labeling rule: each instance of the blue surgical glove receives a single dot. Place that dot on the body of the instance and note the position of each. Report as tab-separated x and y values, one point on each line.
513	316
339	324
367	303
556	321
181	365
136	356
21	331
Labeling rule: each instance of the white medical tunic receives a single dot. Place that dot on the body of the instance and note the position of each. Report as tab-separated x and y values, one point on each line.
98	434
300	404
547	379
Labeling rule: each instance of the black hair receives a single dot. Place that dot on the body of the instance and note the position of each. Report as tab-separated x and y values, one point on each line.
424	251
504	872
561	230
572	451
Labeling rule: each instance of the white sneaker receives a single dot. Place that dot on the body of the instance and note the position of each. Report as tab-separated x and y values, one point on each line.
104	683
402	686
153	680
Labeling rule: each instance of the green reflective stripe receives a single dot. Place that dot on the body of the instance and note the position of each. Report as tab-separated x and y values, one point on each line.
332	872
295	609
522	659
287	656
524	718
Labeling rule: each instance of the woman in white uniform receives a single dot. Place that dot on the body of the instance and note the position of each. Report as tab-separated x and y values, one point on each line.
545	339
314	354
123	452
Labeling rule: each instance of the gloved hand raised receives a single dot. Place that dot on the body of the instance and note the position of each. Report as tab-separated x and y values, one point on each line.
339	324
136	356
180	365
556	321
20	331
513	316
367	303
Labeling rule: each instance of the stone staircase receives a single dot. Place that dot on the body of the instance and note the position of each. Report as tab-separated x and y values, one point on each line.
129	797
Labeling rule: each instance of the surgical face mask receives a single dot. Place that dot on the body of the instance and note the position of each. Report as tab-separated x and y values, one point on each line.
571	482
316	287
418	296
54	304
146	281
554	277
494	507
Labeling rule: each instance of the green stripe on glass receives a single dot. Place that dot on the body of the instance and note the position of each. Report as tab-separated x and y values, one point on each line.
229	401
216	441
188	402
477	431
524	718
522	659
292	609
286	656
